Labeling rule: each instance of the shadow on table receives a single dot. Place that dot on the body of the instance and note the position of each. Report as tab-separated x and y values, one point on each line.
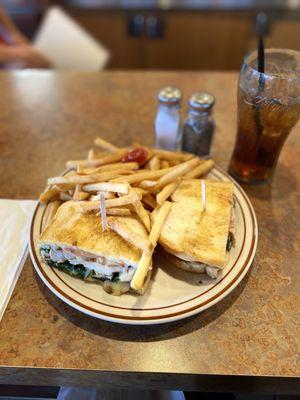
146	333
282	186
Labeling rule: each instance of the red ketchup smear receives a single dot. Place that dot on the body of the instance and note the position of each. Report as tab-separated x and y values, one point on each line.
138	155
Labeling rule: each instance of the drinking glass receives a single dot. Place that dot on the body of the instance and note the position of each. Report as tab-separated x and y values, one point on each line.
268	109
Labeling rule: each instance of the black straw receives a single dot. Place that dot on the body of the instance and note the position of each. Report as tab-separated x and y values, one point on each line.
261	31
261	55
261	86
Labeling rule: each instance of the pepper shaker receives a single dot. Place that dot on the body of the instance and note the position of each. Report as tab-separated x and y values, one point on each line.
199	126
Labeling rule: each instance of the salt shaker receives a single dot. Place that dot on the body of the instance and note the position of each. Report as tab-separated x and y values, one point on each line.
167	122
199	126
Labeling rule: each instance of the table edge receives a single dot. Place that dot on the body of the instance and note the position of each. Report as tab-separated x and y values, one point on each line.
149	380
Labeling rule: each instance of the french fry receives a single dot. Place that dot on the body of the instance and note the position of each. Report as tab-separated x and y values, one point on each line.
63	187
70	173
166	192
174	162
106	145
154	213
79	194
58	180
129	235
150	154
144	265
140	191
93	197
165	164
78	169
82	179
82	163
147	184
118	211
108	159
66	186
130	166
154	163
91	154
107	195
78	188
122	188
188	156
177	172
159	222
145	262
142	213
169	155
200	170
143	175
88	206
123	201
49	194
114	172
65	196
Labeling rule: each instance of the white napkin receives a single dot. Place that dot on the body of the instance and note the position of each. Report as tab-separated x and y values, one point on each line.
15	217
68	45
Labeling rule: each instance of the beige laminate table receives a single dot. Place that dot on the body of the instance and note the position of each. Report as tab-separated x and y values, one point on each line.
249	341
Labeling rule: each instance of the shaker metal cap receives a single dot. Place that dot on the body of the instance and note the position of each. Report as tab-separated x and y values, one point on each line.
202	101
169	95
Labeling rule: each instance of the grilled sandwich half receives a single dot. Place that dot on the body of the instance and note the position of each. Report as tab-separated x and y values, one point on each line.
195	239
74	243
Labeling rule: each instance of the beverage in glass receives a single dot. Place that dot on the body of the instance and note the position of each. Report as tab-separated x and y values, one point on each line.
268	109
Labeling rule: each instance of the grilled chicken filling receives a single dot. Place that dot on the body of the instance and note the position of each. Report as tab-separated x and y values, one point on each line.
86	266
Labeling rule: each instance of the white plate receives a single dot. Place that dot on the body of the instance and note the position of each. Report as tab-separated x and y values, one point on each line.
172	294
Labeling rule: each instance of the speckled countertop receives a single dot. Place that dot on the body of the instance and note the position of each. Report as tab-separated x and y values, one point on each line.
48	117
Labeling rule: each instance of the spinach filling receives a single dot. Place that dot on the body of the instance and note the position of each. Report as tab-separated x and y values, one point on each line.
78	271
229	242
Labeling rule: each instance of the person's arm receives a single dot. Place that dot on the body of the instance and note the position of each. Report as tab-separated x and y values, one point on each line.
16	36
22	56
19	52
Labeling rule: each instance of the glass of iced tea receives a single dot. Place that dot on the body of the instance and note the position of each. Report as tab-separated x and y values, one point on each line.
268	108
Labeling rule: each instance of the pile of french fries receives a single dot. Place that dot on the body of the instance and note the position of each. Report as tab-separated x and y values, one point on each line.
126	189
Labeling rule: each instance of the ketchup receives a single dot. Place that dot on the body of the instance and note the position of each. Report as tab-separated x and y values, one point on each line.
138	155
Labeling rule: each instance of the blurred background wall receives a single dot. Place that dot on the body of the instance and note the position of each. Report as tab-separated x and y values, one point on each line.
170	34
